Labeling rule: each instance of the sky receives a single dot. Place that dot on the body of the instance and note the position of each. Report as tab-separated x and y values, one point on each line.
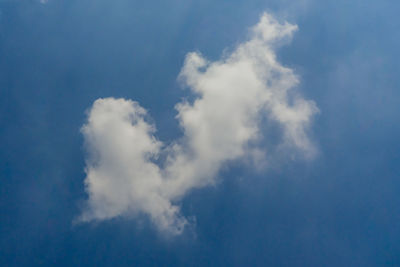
199	133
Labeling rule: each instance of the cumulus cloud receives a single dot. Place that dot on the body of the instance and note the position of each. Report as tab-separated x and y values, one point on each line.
121	177
221	125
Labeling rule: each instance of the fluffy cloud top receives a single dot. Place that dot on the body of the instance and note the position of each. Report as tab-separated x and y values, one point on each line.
232	95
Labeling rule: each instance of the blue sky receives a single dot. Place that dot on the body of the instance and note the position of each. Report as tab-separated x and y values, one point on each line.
340	207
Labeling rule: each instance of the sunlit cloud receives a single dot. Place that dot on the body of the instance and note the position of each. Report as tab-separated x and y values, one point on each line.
222	124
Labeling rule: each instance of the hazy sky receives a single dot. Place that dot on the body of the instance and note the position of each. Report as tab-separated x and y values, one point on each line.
199	133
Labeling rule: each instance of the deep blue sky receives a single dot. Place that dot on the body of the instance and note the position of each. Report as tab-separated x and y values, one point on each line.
340	209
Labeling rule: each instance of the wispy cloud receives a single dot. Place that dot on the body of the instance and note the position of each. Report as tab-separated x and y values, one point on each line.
232	95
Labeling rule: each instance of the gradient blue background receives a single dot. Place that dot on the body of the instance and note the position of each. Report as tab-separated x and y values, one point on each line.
341	209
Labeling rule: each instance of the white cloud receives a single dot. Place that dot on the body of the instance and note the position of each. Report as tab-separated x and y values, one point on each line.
121	178
233	94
